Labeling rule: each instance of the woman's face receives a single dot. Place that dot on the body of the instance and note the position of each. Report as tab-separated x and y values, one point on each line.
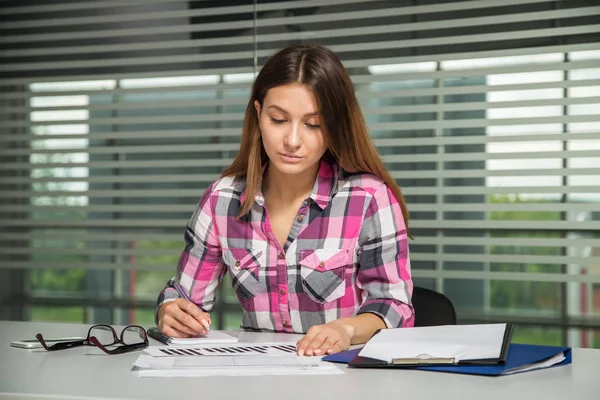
291	129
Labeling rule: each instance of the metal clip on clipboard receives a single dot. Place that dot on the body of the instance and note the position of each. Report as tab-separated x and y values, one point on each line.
422	359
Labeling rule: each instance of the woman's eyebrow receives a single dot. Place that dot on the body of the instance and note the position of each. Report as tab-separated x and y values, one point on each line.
312	114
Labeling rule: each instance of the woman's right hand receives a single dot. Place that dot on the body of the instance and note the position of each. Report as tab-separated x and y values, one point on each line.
182	318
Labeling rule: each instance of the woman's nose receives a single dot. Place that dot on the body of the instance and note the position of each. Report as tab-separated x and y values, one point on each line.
292	138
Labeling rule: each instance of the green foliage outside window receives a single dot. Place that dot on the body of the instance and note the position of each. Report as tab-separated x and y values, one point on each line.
524	295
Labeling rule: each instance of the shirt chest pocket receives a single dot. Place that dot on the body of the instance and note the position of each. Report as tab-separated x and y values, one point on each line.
323	273
244	269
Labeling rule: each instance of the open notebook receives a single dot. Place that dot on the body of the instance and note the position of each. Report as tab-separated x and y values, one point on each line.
483	344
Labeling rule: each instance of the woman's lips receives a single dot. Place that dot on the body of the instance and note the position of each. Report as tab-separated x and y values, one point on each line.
290	158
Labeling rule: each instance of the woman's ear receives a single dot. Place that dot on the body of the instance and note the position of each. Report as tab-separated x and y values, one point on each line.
257	106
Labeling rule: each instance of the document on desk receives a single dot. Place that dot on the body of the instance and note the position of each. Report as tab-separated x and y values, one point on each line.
243	359
453	344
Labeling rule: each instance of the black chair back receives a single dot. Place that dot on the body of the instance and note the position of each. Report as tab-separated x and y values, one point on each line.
432	308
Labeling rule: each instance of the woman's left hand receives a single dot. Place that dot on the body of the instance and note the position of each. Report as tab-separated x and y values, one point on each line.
325	339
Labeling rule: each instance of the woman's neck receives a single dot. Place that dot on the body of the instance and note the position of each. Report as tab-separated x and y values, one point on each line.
288	188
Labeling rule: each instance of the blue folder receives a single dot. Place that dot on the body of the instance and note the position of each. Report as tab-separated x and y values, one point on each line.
519	355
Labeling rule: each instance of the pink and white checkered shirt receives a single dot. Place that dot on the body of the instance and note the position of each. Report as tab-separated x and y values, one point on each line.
346	254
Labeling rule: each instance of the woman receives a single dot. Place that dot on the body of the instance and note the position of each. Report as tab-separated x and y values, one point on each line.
307	221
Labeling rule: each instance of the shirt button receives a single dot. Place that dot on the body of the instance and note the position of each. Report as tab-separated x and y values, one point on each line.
282	292
322	264
282	256
286	324
300	218
237	264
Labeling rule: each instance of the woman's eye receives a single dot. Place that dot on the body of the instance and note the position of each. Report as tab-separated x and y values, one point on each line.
277	121
313	126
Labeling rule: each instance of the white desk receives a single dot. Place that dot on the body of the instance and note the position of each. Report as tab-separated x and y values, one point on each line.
82	373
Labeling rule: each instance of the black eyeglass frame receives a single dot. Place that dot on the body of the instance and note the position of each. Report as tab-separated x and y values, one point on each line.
93	341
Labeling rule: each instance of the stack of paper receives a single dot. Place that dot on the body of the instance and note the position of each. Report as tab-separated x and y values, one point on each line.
229	359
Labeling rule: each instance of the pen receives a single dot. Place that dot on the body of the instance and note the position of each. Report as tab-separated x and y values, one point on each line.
180	290
183	294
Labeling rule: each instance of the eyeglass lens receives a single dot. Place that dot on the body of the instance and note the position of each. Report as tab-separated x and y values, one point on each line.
133	335
107	336
104	334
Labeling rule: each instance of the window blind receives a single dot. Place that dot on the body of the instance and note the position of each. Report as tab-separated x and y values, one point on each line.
116	115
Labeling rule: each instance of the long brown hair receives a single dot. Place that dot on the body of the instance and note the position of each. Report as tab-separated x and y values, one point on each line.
347	135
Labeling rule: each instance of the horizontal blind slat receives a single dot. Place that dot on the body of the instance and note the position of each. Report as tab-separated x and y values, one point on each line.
426	207
209	11
504	258
415	224
383	126
416	256
220	162
416	273
198	177
363	92
574	241
313	35
406	10
237	55
316	18
400	141
505	276
425	157
367	110
387	158
73	6
363	63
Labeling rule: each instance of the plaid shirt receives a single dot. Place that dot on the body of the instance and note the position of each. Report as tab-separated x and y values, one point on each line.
346	254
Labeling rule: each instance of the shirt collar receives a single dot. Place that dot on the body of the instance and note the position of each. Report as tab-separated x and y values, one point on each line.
322	191
325	184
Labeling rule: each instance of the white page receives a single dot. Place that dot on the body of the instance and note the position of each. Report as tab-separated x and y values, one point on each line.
211	337
147	361
460	342
557	359
148	366
272	371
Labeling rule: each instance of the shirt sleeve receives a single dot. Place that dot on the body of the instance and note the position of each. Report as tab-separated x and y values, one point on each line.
384	265
200	267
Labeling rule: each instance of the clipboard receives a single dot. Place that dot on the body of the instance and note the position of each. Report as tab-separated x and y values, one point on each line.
521	358
365	362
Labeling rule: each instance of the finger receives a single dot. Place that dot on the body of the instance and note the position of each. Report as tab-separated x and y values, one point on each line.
337	347
185	315
327	344
193	310
174	328
168	320
189	323
184	322
178	332
303	343
172	332
316	343
173	322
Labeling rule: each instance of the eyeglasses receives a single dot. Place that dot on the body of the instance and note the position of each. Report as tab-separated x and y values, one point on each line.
133	337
